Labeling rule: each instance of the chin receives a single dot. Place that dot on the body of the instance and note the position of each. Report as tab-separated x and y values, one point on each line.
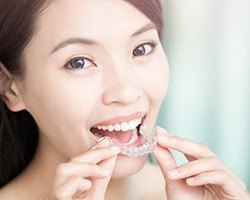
126	166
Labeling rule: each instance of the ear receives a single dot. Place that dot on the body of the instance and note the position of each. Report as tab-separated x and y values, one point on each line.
9	90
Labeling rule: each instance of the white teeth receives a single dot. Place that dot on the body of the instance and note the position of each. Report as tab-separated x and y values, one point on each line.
132	124
134	137
117	127
111	128
99	127
124	126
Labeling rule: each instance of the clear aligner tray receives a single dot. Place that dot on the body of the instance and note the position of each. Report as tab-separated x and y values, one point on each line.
147	145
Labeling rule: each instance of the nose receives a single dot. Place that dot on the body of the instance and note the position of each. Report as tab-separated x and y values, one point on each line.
122	87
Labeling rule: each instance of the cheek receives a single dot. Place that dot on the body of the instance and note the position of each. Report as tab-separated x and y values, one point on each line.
154	80
61	103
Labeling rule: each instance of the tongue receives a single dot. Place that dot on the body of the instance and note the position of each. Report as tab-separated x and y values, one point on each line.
120	136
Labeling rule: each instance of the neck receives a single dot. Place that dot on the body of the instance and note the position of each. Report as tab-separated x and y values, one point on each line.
118	189
37	178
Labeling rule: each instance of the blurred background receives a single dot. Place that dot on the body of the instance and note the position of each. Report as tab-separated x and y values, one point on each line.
207	43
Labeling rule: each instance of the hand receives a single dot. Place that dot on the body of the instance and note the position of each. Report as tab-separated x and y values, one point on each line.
204	177
86	176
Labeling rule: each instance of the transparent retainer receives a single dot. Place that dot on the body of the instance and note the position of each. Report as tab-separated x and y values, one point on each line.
147	145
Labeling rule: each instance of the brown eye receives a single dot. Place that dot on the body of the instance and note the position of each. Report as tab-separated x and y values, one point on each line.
80	63
144	49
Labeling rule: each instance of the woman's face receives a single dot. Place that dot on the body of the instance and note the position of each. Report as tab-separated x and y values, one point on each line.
90	61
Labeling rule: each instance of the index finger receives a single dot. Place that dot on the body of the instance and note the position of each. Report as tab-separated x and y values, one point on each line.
99	186
99	152
188	147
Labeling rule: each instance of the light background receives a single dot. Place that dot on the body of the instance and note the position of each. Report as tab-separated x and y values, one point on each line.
207	43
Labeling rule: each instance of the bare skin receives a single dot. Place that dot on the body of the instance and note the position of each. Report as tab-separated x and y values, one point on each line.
111	81
204	176
128	188
210	178
66	103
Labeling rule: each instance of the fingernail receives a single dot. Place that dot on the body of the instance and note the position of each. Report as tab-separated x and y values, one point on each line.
104	142
173	173
161	130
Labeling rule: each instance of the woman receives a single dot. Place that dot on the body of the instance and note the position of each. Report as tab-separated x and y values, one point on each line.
73	71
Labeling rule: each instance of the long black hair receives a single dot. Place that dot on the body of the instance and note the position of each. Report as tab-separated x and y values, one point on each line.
18	130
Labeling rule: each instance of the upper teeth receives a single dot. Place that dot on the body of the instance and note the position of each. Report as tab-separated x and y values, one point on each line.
124	126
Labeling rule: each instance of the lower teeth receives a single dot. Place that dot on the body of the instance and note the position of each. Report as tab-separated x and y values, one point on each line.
134	137
147	146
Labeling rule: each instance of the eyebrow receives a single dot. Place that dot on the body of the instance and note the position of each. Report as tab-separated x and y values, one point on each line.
89	42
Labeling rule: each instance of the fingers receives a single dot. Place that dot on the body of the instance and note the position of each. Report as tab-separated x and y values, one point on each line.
99	152
192	150
167	163
165	159
204	167
100	185
86	164
219	178
187	147
70	187
81	174
195	167
66	170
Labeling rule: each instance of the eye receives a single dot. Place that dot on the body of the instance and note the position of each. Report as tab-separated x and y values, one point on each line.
80	63
144	49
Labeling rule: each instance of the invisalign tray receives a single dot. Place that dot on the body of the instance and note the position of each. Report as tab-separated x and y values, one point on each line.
147	146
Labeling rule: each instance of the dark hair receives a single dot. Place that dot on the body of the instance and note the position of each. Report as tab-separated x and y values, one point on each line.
18	130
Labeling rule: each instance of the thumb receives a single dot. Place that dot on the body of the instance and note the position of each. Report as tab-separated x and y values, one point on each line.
165	159
99	186
167	163
163	156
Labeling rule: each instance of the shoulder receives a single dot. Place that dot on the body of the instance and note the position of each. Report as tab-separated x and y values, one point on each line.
152	182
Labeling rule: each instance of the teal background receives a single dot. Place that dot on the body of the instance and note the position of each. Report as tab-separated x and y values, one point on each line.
208	47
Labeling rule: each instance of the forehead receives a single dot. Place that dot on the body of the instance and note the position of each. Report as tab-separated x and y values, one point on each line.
91	18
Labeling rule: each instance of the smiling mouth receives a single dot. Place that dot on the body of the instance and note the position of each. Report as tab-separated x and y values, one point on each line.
125	133
133	138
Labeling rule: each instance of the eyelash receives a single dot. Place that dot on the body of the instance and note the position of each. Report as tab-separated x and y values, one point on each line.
79	58
68	65
152	44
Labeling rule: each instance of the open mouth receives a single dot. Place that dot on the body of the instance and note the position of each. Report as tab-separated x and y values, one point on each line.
125	133
133	138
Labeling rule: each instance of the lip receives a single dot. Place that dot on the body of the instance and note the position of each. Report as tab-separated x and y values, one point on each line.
121	118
